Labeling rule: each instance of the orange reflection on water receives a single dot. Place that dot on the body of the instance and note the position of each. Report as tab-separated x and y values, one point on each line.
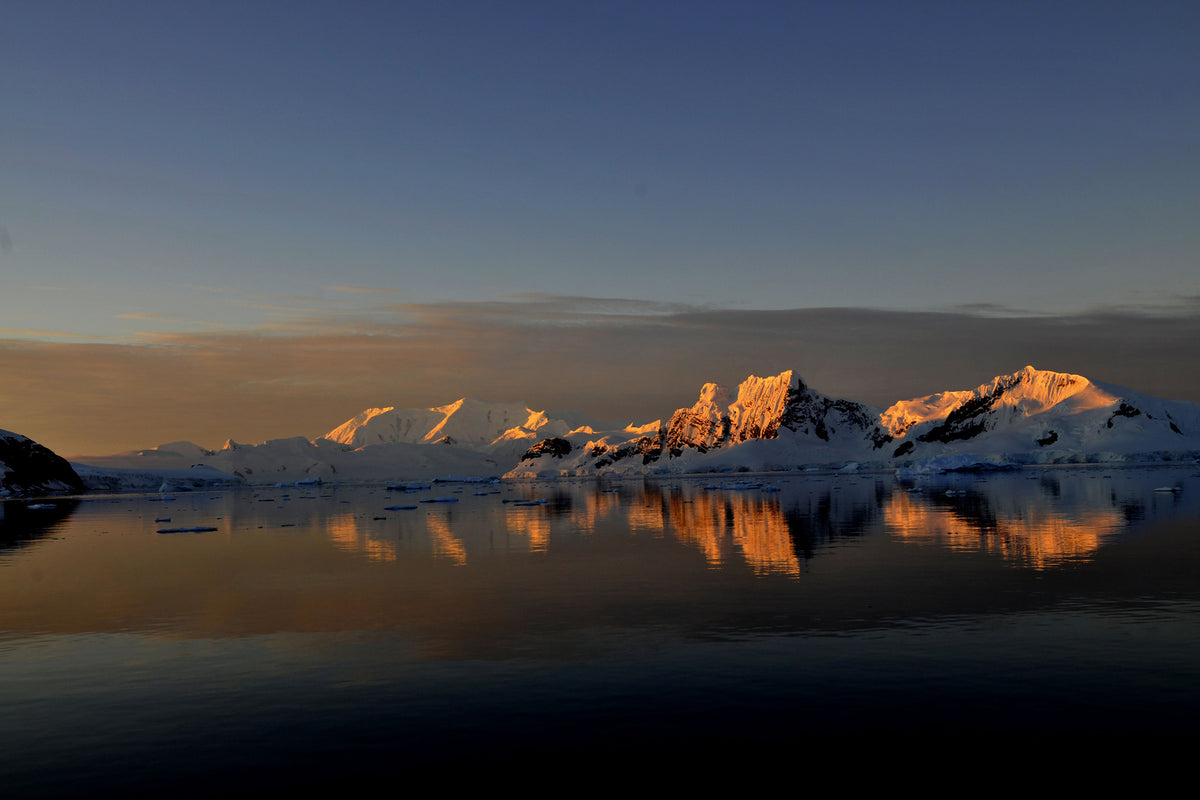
445	543
648	515
1031	535
760	530
532	523
701	523
348	533
721	524
595	506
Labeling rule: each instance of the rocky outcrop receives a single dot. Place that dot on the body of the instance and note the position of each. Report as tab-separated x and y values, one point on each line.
28	468
554	447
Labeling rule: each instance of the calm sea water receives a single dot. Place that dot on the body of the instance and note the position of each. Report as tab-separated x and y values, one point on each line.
327	636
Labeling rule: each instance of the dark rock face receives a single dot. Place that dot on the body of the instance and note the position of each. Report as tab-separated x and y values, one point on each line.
29	468
706	430
1050	438
648	447
965	422
1125	410
555	447
811	412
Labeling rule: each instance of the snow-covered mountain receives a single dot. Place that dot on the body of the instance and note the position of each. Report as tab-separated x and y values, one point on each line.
464	438
1040	416
467	422
775	422
1030	416
28	468
802	425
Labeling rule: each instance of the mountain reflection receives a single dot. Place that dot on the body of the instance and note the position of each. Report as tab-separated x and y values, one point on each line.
1034	536
724	526
22	524
346	533
1038	520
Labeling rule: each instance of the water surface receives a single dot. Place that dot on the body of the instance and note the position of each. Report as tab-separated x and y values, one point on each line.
328	635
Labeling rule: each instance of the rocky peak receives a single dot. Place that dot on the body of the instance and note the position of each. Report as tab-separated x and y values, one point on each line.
715	421
763	407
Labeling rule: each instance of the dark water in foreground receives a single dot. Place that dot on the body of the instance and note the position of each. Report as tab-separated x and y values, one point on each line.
318	638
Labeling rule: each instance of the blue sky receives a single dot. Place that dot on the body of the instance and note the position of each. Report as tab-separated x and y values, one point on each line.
302	168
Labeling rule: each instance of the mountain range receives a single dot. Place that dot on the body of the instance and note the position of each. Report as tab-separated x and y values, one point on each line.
778	422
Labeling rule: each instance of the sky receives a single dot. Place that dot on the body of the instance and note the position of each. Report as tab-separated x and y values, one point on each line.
249	221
